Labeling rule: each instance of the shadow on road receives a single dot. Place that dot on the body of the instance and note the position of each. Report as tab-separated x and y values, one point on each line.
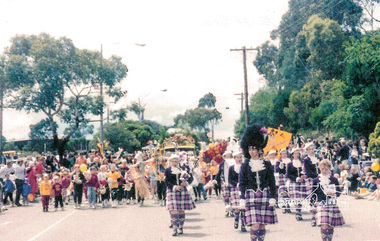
194	219
193	227
191	214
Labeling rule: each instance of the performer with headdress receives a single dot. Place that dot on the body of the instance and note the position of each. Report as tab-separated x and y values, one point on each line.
178	198
233	180
257	183
297	188
326	189
310	166
141	187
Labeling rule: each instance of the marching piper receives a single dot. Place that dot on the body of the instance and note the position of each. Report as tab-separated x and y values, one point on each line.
222	179
178	198
257	183
233	180
310	167
297	189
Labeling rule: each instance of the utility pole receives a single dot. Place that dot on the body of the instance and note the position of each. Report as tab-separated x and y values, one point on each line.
101	94
241	100
244	49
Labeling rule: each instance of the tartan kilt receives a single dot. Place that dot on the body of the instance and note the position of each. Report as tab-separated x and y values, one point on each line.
235	197
330	215
309	185
257	209
297	190
179	200
282	191
226	192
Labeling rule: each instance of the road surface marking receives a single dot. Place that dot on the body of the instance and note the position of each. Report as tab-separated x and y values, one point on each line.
51	226
3	224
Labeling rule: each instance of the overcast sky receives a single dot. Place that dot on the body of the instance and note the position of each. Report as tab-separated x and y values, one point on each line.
187	48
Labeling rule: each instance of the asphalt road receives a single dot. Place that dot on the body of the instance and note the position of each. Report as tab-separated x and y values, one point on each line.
150	223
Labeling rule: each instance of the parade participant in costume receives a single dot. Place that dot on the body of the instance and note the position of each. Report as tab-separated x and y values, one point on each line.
161	188
130	187
297	188
222	179
310	167
141	187
257	183
233	180
78	179
326	189
177	197
281	170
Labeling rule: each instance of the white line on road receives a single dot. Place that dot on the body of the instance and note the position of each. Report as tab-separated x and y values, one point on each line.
3	224
51	226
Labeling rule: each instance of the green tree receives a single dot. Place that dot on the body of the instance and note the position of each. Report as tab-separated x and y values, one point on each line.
207	101
203	118
325	43
374	142
362	77
58	80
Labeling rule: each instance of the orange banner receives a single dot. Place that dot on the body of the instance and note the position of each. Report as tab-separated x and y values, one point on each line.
277	140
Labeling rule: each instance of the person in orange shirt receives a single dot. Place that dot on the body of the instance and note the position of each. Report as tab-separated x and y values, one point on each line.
81	160
114	177
45	190
214	170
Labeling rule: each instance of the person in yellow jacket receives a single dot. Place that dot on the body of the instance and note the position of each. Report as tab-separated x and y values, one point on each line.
114	178
45	190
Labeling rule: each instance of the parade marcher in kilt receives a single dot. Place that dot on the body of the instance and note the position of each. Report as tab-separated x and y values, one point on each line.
257	183
178	198
281	170
325	189
297	188
222	179
233	180
310	167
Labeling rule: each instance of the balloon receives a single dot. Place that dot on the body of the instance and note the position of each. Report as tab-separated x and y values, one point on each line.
83	167
375	166
31	197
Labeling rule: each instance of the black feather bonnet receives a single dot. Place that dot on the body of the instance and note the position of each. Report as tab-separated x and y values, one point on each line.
255	136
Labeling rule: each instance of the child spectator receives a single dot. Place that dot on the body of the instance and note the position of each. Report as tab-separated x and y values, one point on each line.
103	185
78	180
26	190
354	180
65	185
371	187
45	191
58	191
130	187
115	177
92	185
9	188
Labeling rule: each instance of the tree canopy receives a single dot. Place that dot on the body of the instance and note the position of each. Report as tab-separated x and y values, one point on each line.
52	76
